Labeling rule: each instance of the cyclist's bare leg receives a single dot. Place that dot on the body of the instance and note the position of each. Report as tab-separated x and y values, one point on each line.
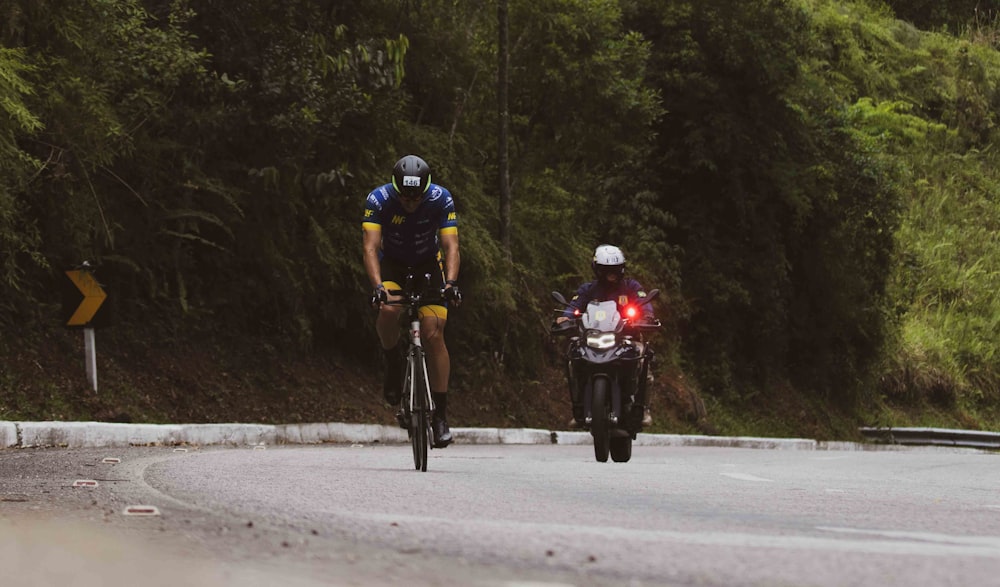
387	325
387	328
438	367
438	360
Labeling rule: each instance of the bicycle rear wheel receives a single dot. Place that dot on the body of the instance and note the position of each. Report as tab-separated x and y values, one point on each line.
419	424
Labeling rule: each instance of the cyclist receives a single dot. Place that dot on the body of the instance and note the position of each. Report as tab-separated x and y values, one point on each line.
609	283
410	226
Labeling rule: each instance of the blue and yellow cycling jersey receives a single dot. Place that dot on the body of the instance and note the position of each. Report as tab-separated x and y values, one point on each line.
410	238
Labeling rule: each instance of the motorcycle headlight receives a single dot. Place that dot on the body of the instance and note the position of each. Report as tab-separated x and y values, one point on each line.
600	340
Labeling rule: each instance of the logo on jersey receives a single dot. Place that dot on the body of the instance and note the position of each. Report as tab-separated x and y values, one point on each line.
397	219
452	216
368	213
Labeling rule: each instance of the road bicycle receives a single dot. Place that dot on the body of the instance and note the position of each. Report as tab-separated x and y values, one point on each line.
416	404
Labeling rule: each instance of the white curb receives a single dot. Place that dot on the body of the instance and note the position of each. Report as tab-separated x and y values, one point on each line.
228	434
501	436
303	433
105	434
366	433
725	441
573	437
94	434
8	434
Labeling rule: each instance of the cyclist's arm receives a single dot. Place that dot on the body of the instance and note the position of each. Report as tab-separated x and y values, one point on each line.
372	244
452	259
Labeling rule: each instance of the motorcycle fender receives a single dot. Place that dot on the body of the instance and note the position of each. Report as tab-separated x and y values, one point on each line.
616	396
597	357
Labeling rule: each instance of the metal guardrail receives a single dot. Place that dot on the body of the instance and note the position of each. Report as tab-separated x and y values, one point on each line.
934	436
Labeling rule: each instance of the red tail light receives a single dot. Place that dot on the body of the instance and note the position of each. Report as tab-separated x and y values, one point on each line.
631	312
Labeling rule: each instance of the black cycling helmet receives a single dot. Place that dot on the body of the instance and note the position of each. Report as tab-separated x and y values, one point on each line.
608	259
411	176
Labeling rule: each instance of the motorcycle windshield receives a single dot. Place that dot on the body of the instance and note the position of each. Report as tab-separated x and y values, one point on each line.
602	316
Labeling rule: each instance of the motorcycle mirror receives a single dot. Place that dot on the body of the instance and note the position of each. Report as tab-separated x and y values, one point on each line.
559	298
650	296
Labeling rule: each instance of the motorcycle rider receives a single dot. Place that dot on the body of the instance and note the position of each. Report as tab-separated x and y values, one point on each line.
609	283
407	225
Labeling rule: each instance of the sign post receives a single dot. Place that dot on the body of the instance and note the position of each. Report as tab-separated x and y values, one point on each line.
93	297
90	356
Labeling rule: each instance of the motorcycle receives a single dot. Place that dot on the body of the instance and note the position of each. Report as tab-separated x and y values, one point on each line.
609	355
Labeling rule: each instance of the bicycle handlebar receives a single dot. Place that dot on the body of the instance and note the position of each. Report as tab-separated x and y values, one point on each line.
414	297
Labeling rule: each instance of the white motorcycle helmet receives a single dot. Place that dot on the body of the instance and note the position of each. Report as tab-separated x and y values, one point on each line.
608	259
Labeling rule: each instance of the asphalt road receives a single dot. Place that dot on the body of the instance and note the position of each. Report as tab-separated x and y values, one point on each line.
501	515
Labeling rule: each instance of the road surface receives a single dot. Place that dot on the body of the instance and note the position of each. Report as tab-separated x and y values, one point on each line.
495	515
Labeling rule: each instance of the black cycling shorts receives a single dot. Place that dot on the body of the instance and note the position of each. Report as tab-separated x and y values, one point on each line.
394	276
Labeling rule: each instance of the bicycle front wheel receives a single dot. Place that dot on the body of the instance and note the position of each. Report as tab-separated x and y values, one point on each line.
419	424
420	440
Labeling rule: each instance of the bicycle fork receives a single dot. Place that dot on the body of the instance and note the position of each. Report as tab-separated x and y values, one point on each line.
422	364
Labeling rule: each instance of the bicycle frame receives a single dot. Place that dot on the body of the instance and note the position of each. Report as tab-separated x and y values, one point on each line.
416	383
417	363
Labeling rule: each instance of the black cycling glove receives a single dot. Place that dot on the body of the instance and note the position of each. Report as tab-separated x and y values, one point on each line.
453	294
379	296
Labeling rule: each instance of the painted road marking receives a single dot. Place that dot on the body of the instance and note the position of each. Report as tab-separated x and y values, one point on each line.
746	477
988	542
141	510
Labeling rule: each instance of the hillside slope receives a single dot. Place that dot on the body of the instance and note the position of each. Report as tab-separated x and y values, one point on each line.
210	379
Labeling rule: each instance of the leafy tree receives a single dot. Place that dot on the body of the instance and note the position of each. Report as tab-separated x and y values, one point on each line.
310	106
784	214
573	136
953	15
102	74
19	238
197	157
773	165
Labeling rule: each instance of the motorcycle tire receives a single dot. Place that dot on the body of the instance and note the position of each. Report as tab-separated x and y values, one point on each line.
621	449
599	426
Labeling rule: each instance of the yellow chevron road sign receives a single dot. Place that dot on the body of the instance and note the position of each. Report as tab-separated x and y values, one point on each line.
93	297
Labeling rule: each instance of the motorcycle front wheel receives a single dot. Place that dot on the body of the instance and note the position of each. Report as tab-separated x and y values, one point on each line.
621	449
599	418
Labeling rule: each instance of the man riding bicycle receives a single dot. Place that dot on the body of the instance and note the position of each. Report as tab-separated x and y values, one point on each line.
410	227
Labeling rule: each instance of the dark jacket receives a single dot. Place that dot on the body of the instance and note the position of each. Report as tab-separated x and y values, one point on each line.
625	291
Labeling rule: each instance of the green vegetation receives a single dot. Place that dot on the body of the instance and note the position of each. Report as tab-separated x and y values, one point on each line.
812	183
